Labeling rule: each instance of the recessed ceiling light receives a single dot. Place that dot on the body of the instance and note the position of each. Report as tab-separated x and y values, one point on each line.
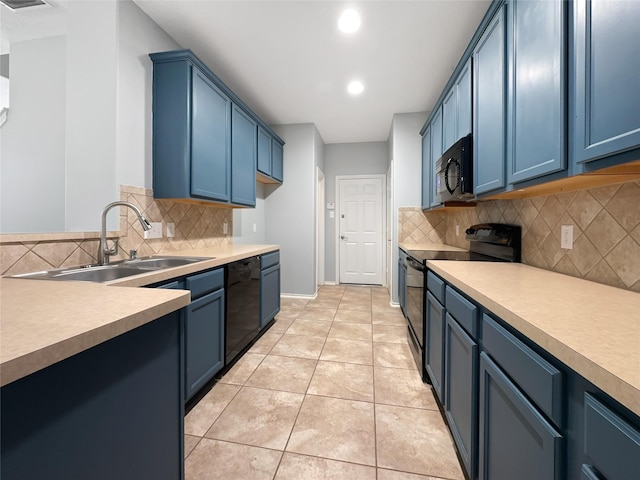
349	21
355	88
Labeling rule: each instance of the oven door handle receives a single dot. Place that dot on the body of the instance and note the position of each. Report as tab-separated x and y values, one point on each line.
410	262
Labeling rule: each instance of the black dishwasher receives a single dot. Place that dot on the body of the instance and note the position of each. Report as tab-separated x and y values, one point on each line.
242	288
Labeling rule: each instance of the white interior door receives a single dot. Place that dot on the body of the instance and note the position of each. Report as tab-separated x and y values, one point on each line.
361	230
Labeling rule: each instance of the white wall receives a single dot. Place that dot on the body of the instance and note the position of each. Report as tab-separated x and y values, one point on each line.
138	37
365	158
32	141
290	209
407	176
85	99
245	218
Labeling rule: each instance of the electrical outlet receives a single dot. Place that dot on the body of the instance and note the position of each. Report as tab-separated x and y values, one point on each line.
566	237
254	228
225	228
155	232
457	230
171	230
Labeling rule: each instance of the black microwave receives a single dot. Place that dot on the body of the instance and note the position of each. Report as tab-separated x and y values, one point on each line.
454	171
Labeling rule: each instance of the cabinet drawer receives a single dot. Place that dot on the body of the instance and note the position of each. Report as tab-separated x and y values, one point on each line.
269	259
537	378
611	443
515	440
436	286
465	312
204	283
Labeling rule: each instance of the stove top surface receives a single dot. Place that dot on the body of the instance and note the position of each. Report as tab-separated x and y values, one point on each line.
423	255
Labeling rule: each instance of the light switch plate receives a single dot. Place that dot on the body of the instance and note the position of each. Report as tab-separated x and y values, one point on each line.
566	237
225	228
171	230
155	232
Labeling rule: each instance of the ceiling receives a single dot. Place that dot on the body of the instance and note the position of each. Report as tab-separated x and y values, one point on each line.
289	62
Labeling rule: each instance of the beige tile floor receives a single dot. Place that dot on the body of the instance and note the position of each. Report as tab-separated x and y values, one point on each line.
329	392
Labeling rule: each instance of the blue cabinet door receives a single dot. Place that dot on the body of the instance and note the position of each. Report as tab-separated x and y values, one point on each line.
434	344
269	294
606	74
204	340
243	158
210	140
436	153
465	101
516	441
456	109
426	169
450	118
461	392
264	151
277	161
489	107
536	100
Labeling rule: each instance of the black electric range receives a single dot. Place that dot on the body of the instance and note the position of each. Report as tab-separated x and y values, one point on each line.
488	242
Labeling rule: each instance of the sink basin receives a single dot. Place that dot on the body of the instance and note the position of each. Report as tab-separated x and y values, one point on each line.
154	263
113	271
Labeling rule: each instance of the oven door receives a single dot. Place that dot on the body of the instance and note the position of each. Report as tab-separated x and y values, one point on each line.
415	299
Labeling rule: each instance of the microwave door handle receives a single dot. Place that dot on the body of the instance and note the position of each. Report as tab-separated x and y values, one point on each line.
446	176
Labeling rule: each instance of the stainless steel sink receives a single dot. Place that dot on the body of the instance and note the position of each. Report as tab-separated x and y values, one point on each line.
154	263
113	271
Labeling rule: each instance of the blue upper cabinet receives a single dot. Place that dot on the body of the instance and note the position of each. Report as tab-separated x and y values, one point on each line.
277	161
264	152
489	106
536	100
436	153
450	118
605	75
210	152
269	158
426	168
205	140
243	158
456	109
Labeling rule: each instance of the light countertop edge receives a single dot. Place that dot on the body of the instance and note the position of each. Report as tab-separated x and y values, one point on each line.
438	247
43	322
592	328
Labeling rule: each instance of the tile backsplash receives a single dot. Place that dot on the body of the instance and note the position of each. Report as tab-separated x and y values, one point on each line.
606	230
195	226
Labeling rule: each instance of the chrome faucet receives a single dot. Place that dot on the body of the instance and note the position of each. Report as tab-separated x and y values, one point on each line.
104	252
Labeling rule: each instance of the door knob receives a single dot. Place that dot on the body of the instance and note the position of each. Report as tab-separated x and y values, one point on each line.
342	237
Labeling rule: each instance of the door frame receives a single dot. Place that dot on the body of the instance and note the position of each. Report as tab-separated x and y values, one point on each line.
320	228
383	236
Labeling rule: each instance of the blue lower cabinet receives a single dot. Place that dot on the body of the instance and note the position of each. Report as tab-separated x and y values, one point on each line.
269	294
434	344
461	392
115	411
611	444
515	440
204	340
